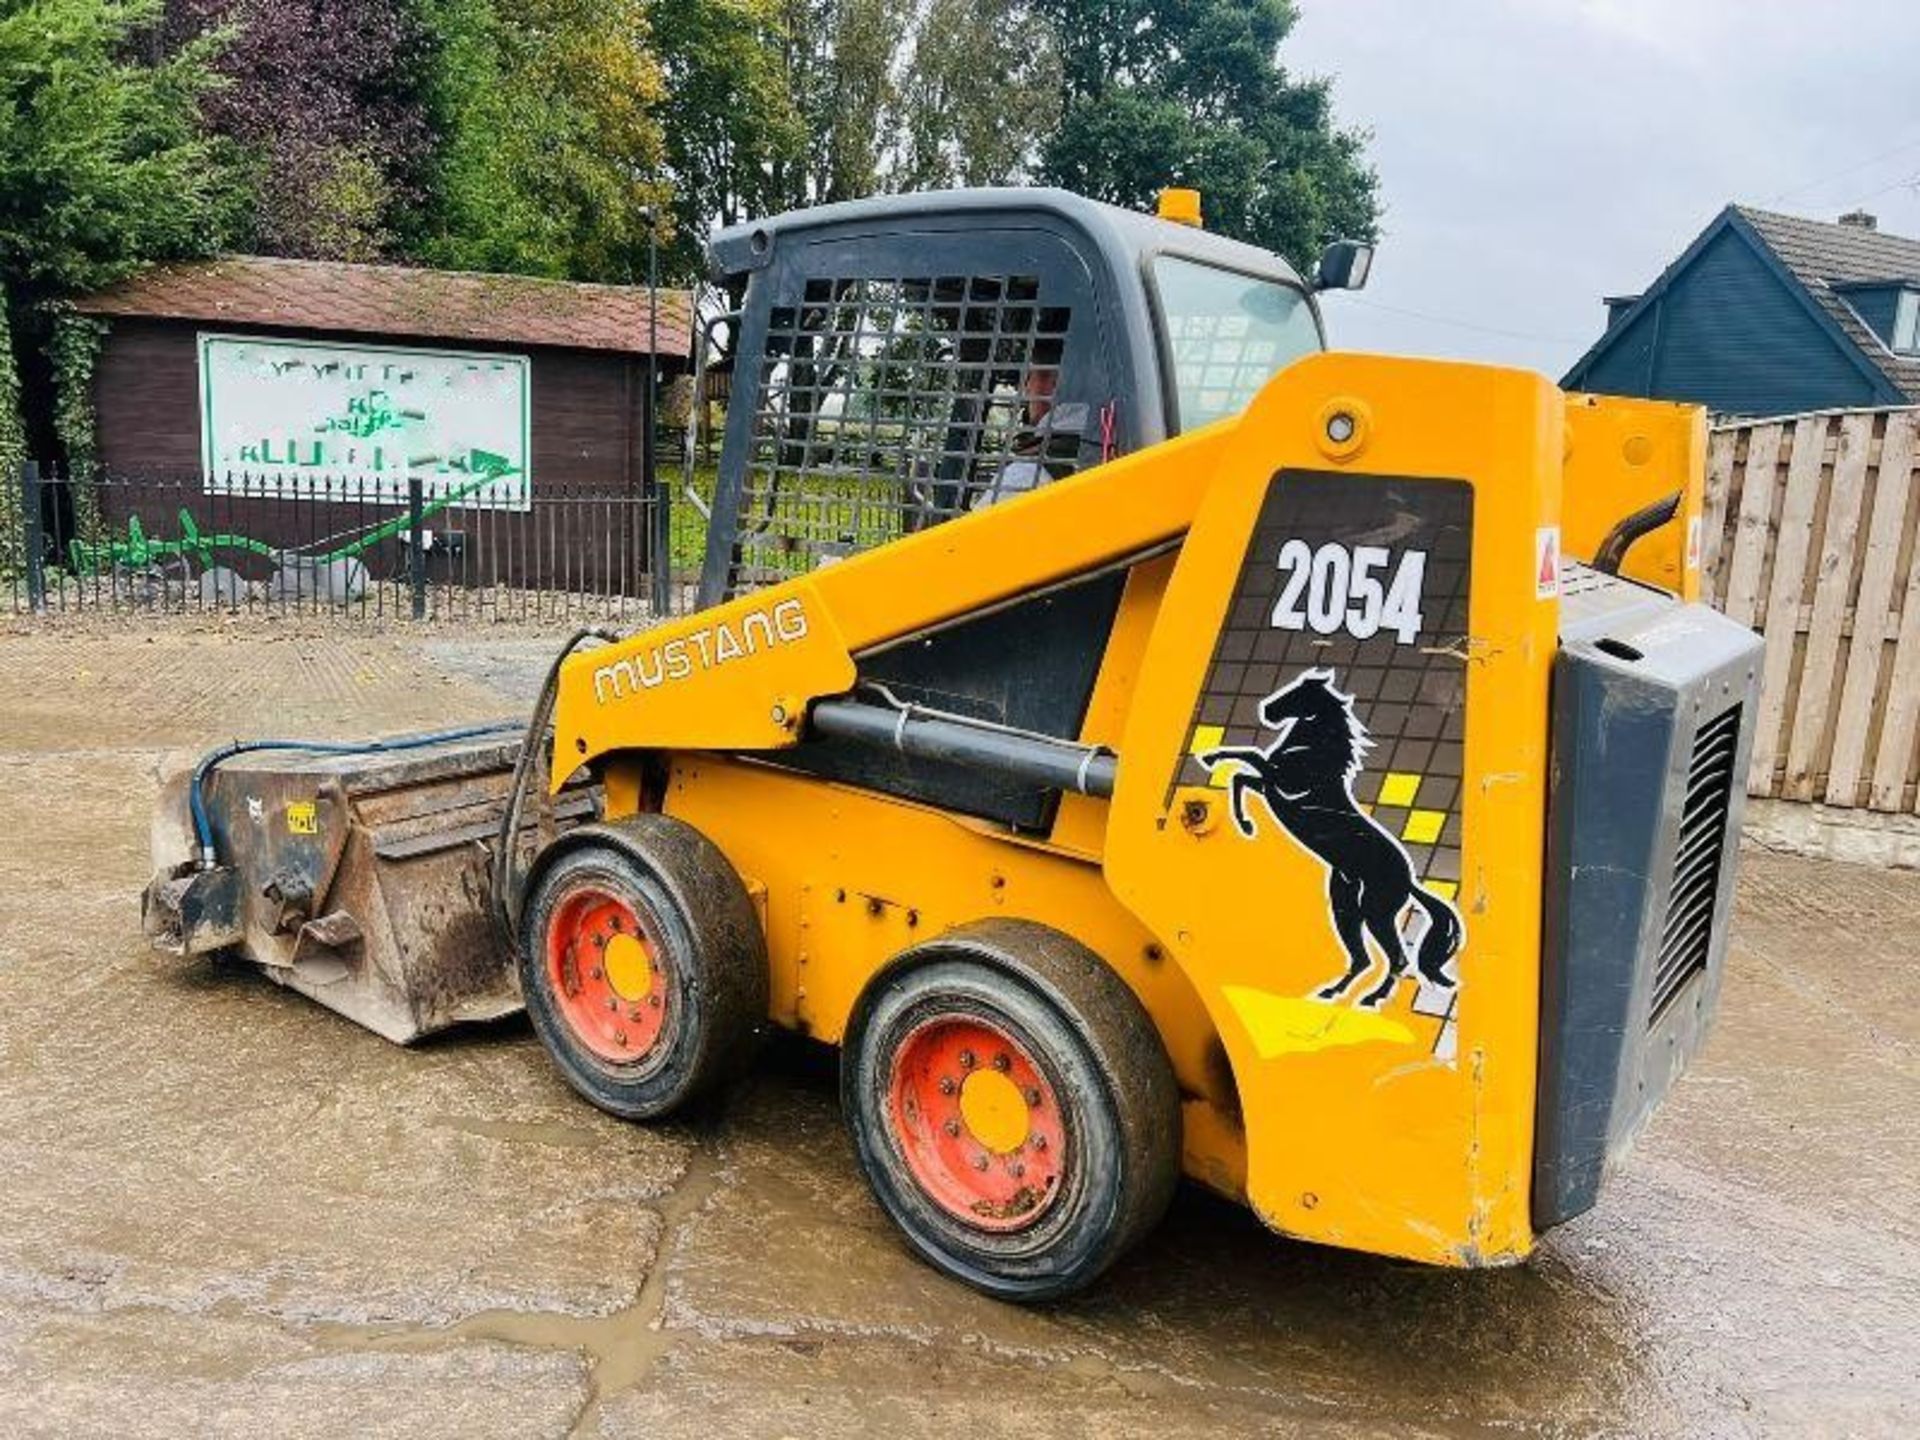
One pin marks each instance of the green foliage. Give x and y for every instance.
(981, 89)
(325, 104)
(1191, 92)
(74, 349)
(13, 449)
(897, 95)
(350, 200)
(103, 166)
(13, 438)
(731, 124)
(846, 90)
(549, 147)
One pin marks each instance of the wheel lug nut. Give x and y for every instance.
(1033, 1095)
(619, 1037)
(966, 1059)
(1016, 1169)
(952, 1127)
(1000, 1062)
(654, 1001)
(1039, 1142)
(612, 1004)
(979, 1162)
(947, 1087)
(597, 973)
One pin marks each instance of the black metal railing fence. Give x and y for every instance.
(330, 546)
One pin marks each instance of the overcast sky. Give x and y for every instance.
(1535, 155)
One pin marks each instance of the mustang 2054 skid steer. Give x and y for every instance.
(1146, 745)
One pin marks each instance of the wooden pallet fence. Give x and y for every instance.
(1810, 538)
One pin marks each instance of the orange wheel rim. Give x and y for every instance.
(609, 978)
(977, 1123)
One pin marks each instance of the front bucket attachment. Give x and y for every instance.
(363, 881)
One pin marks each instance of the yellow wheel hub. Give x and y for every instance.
(628, 970)
(995, 1111)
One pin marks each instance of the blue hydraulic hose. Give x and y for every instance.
(196, 798)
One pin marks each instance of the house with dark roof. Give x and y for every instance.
(1767, 314)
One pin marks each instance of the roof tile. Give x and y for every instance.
(395, 300)
(1822, 254)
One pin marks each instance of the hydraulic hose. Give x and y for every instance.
(1644, 521)
(505, 879)
(197, 801)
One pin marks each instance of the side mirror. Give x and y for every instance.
(1343, 266)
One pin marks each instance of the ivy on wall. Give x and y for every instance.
(13, 449)
(74, 349)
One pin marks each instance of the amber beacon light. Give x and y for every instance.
(1180, 206)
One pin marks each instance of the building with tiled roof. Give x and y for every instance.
(247, 371)
(1768, 314)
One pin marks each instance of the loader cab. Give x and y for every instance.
(904, 360)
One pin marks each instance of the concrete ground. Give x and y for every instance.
(225, 1211)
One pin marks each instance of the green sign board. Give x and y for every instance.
(356, 422)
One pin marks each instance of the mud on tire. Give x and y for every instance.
(643, 965)
(1012, 1107)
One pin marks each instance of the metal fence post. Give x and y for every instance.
(662, 551)
(416, 552)
(32, 535)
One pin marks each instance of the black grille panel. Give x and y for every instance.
(1686, 936)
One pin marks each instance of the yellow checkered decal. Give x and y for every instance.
(1411, 697)
(1398, 789)
(1209, 737)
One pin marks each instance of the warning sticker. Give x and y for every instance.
(302, 818)
(1546, 562)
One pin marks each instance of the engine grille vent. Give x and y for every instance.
(1686, 937)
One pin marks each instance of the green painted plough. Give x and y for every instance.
(136, 553)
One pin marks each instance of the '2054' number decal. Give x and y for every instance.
(1359, 589)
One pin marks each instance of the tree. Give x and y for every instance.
(979, 92)
(324, 99)
(1171, 92)
(551, 157)
(103, 167)
(731, 125)
(899, 95)
(839, 57)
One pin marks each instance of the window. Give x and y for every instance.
(1906, 323)
(1227, 334)
(1889, 308)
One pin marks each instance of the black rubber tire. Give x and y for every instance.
(682, 886)
(1097, 1048)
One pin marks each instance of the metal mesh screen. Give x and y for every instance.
(887, 405)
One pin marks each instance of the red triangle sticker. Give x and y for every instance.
(1546, 579)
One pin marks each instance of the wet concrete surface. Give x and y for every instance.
(225, 1211)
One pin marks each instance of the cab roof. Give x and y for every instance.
(1124, 235)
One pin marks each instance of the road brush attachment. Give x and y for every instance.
(362, 874)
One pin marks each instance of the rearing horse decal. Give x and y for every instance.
(1305, 777)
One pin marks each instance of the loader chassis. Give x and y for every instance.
(1278, 800)
(1405, 1125)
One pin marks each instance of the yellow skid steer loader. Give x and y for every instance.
(1144, 743)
